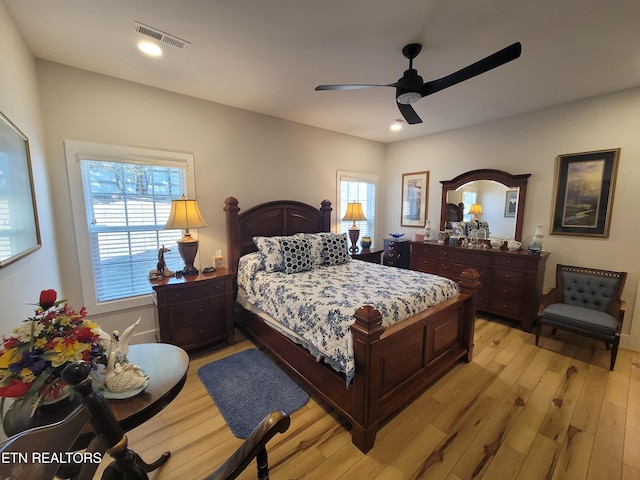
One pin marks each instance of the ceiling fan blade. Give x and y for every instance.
(409, 113)
(481, 66)
(353, 86)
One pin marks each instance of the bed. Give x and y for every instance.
(392, 365)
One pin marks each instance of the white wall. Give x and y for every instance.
(252, 157)
(22, 281)
(529, 144)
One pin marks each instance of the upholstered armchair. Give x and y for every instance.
(585, 301)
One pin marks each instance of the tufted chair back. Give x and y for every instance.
(584, 287)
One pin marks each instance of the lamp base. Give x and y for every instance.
(188, 251)
(354, 233)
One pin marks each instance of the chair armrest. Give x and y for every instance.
(275, 422)
(549, 296)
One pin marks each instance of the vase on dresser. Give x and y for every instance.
(427, 231)
(536, 242)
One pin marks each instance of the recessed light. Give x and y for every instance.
(397, 126)
(150, 48)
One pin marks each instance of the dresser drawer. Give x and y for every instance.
(426, 250)
(508, 292)
(190, 292)
(188, 313)
(508, 308)
(468, 257)
(425, 264)
(201, 331)
(506, 277)
(510, 261)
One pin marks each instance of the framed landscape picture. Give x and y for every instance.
(511, 202)
(19, 232)
(415, 191)
(583, 197)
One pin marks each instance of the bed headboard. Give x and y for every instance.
(281, 217)
(453, 212)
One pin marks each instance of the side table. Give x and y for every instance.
(195, 310)
(371, 256)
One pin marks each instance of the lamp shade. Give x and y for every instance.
(354, 212)
(476, 209)
(185, 213)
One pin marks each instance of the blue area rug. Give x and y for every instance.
(247, 386)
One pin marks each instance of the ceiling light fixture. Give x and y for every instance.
(397, 125)
(149, 48)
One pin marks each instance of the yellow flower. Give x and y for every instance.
(65, 352)
(27, 375)
(10, 356)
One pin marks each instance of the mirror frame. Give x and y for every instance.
(506, 179)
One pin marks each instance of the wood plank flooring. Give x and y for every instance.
(516, 412)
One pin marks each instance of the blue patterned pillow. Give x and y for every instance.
(314, 240)
(296, 255)
(336, 250)
(269, 248)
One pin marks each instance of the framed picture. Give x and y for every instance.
(511, 202)
(583, 197)
(415, 191)
(19, 230)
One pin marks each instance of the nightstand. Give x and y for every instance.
(397, 253)
(371, 256)
(195, 310)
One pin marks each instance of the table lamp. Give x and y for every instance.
(354, 214)
(475, 210)
(186, 214)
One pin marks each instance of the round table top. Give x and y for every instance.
(165, 364)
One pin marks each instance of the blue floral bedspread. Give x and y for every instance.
(318, 305)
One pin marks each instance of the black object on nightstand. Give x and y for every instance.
(367, 255)
(397, 253)
(195, 310)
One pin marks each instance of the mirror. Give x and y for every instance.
(501, 195)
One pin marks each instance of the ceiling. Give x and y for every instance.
(268, 56)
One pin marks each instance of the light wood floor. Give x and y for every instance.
(516, 412)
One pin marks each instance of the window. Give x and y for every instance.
(469, 196)
(119, 218)
(358, 187)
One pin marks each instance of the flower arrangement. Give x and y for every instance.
(32, 359)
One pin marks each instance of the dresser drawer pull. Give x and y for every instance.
(507, 275)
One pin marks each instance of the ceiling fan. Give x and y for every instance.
(411, 88)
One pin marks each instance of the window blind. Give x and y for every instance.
(127, 205)
(353, 189)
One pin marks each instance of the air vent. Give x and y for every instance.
(161, 36)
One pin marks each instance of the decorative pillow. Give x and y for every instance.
(314, 241)
(336, 250)
(248, 266)
(269, 248)
(459, 229)
(296, 255)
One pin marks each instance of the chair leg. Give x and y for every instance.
(614, 353)
(538, 330)
(553, 331)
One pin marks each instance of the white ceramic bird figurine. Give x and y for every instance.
(122, 377)
(120, 343)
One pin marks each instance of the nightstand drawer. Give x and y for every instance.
(196, 292)
(190, 312)
(201, 331)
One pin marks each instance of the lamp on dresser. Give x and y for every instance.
(185, 213)
(475, 210)
(354, 214)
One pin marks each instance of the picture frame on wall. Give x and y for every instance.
(415, 192)
(511, 202)
(19, 229)
(583, 193)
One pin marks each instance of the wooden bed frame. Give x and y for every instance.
(393, 365)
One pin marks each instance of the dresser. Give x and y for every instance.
(195, 310)
(511, 281)
(397, 253)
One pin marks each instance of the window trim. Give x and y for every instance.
(356, 177)
(117, 153)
